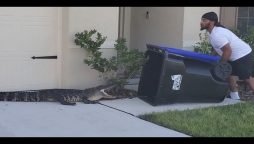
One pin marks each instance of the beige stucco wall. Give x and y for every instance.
(164, 26)
(75, 73)
(191, 25)
(228, 17)
(171, 26)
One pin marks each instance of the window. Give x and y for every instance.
(245, 18)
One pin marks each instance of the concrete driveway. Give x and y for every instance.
(51, 119)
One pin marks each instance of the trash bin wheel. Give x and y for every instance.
(222, 71)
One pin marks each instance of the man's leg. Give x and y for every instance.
(233, 84)
(233, 87)
(250, 82)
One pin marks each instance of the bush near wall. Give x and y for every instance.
(116, 70)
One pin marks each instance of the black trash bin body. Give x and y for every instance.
(172, 75)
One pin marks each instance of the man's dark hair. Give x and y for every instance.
(212, 16)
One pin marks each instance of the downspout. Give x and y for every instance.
(121, 22)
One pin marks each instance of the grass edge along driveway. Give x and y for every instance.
(235, 120)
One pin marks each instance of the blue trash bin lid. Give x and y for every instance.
(188, 54)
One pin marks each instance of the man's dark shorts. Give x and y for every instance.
(242, 67)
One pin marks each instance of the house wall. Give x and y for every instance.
(164, 26)
(171, 26)
(75, 73)
(228, 16)
(191, 24)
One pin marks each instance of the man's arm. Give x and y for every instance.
(226, 49)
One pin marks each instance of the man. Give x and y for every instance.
(231, 49)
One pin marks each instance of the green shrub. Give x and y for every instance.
(203, 46)
(117, 69)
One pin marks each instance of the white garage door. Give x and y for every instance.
(24, 33)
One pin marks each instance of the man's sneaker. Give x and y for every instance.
(235, 97)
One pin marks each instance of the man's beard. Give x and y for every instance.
(202, 28)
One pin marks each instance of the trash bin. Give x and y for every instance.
(173, 75)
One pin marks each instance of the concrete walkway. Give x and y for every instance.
(45, 119)
(137, 106)
(50, 119)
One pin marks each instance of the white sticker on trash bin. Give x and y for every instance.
(177, 81)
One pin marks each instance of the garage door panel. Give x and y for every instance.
(7, 77)
(27, 72)
(38, 38)
(28, 11)
(6, 11)
(8, 36)
(35, 11)
(27, 32)
(42, 76)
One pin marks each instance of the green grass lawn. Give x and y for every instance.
(224, 121)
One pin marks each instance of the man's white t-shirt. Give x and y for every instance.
(219, 37)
